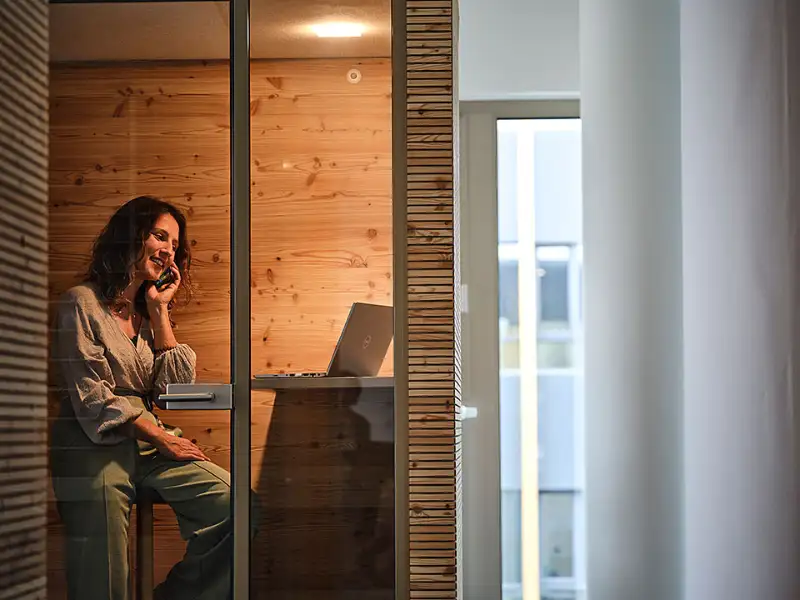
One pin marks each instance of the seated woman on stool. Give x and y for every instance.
(114, 350)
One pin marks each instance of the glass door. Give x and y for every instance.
(322, 449)
(524, 454)
(149, 175)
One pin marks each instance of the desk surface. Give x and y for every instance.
(266, 382)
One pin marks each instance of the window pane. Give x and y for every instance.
(509, 291)
(557, 444)
(509, 349)
(512, 537)
(554, 294)
(539, 250)
(554, 355)
(507, 186)
(508, 300)
(556, 524)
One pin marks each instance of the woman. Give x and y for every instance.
(115, 350)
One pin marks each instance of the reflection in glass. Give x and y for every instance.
(139, 187)
(141, 106)
(321, 205)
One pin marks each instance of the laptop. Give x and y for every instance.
(362, 344)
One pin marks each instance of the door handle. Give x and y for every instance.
(469, 412)
(197, 396)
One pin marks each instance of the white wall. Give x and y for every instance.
(518, 49)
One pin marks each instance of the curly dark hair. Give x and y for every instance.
(121, 244)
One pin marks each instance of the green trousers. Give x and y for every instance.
(95, 487)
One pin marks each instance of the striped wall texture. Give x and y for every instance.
(23, 297)
(434, 383)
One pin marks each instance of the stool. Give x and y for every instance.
(144, 544)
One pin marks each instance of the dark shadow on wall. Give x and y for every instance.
(326, 497)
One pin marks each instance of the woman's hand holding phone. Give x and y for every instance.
(159, 296)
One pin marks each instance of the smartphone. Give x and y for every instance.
(165, 279)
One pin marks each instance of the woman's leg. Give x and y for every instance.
(94, 488)
(200, 495)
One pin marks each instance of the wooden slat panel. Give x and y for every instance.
(23, 287)
(433, 304)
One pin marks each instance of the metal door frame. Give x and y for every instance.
(240, 292)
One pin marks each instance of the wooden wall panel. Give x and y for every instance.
(23, 298)
(321, 191)
(433, 300)
(321, 208)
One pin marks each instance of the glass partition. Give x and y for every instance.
(146, 410)
(322, 458)
(139, 117)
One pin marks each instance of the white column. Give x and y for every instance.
(740, 224)
(630, 106)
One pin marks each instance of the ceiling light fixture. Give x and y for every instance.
(338, 30)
